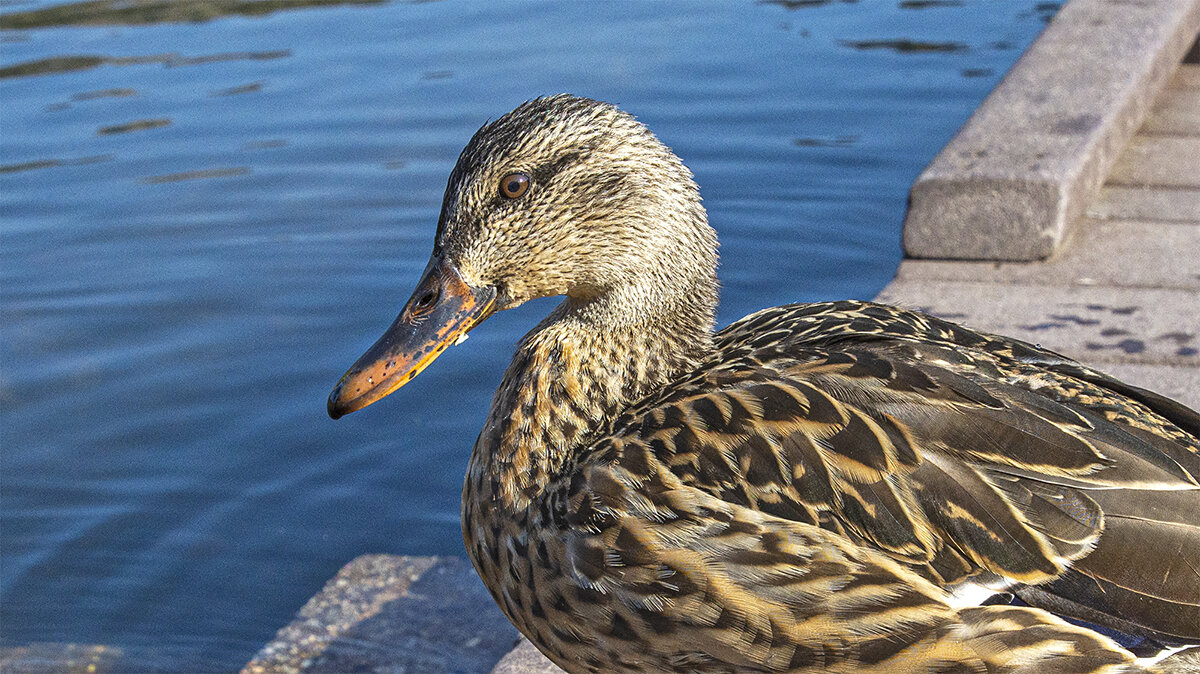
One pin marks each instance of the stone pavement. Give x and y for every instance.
(1124, 294)
(393, 614)
(1014, 181)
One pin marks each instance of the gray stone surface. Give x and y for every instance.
(1151, 255)
(1177, 111)
(1166, 161)
(1156, 178)
(1187, 76)
(1123, 293)
(1093, 324)
(1143, 203)
(1024, 167)
(391, 614)
(525, 659)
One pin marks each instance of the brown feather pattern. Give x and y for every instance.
(800, 490)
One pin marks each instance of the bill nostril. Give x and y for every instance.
(425, 302)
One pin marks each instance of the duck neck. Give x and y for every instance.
(577, 370)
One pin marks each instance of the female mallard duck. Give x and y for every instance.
(804, 490)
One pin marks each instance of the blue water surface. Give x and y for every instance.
(205, 223)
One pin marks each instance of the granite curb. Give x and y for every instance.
(1020, 172)
(391, 614)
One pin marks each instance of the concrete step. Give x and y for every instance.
(1177, 110)
(1147, 203)
(388, 613)
(1160, 161)
(1113, 253)
(1015, 179)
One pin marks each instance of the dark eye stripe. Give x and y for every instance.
(514, 185)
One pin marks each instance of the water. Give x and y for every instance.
(205, 223)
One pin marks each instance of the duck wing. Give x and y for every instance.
(963, 456)
(669, 577)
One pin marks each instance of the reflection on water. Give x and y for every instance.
(196, 175)
(977, 72)
(139, 125)
(48, 163)
(926, 4)
(103, 93)
(191, 256)
(62, 64)
(137, 12)
(837, 141)
(907, 46)
(799, 4)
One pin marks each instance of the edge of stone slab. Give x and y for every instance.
(393, 613)
(525, 659)
(1020, 172)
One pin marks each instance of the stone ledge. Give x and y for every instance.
(1094, 325)
(1157, 161)
(526, 659)
(1026, 164)
(1141, 203)
(1177, 110)
(1152, 255)
(387, 613)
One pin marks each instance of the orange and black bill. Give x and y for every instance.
(441, 310)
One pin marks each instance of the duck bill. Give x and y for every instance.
(440, 312)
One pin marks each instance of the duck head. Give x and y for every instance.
(562, 196)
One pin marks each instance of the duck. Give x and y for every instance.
(817, 487)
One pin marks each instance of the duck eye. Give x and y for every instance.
(514, 185)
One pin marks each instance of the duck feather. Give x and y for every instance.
(805, 490)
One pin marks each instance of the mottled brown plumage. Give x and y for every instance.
(804, 490)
